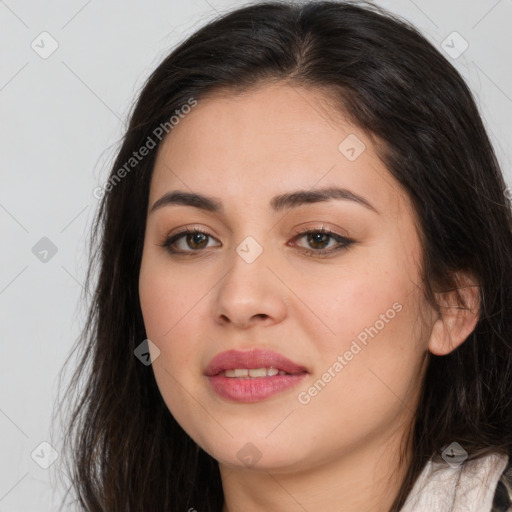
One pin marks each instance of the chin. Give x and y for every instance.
(256, 454)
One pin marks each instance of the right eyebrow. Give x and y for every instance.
(189, 199)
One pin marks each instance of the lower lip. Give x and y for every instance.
(247, 389)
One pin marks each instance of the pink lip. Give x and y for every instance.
(248, 389)
(255, 358)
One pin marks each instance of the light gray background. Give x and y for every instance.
(61, 120)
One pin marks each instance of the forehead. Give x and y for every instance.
(266, 141)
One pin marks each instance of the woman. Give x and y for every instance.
(304, 298)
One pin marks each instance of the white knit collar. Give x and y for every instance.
(469, 487)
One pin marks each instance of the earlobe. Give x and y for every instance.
(456, 321)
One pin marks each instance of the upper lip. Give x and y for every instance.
(255, 358)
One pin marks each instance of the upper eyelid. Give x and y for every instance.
(188, 231)
(337, 237)
(327, 231)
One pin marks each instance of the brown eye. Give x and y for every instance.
(187, 241)
(318, 241)
(196, 240)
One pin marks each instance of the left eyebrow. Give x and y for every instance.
(278, 203)
(295, 199)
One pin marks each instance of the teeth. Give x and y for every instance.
(253, 372)
(260, 372)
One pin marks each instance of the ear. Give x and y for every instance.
(456, 321)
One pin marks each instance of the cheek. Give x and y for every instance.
(357, 297)
(171, 313)
(371, 311)
(369, 373)
(166, 295)
(173, 307)
(372, 330)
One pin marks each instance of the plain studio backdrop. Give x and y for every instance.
(69, 72)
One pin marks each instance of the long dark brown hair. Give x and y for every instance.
(126, 452)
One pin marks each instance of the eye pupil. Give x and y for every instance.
(196, 238)
(318, 238)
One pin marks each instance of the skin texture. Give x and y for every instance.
(338, 451)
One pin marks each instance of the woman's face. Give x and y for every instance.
(348, 322)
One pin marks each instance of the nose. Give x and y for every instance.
(250, 294)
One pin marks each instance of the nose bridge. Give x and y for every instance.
(249, 290)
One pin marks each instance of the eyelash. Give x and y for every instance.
(346, 242)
